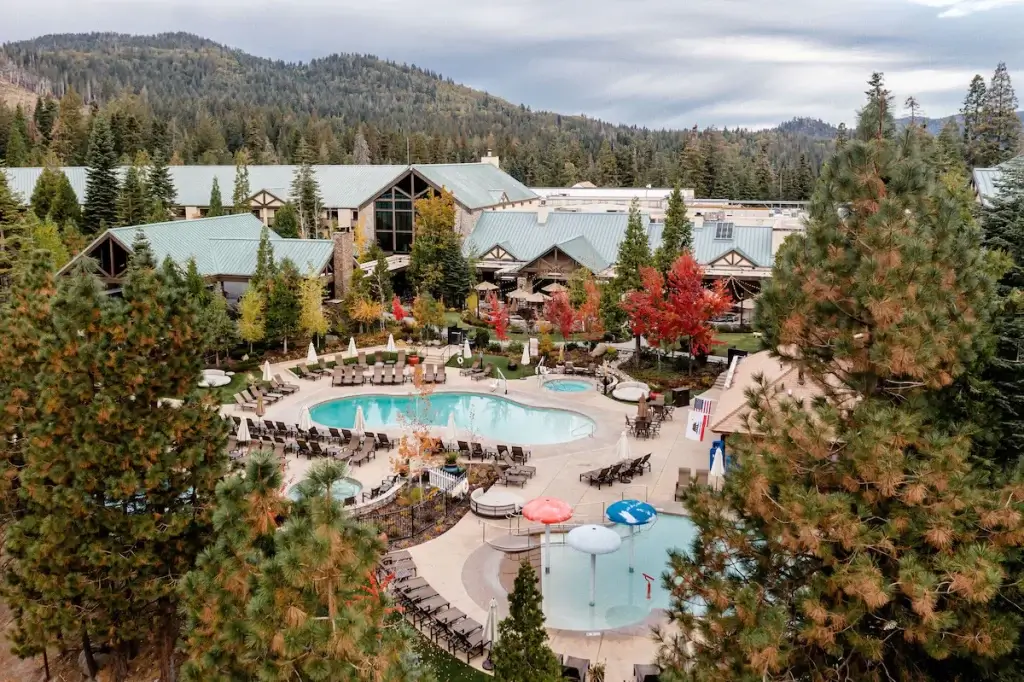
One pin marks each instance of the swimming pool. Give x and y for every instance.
(486, 416)
(567, 385)
(342, 490)
(621, 595)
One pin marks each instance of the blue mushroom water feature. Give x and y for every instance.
(632, 513)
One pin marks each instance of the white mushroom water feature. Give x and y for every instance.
(593, 540)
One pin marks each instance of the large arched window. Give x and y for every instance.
(393, 214)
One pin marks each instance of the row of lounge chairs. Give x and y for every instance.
(686, 479)
(279, 388)
(623, 472)
(434, 375)
(477, 451)
(431, 612)
(589, 370)
(475, 372)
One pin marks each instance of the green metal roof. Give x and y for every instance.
(475, 185)
(593, 239)
(225, 245)
(986, 180)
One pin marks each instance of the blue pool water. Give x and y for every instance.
(567, 386)
(342, 490)
(485, 416)
(621, 595)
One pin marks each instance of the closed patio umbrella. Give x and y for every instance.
(305, 420)
(525, 361)
(352, 350)
(390, 348)
(622, 448)
(359, 426)
(311, 355)
(260, 407)
(243, 432)
(267, 371)
(717, 467)
(491, 632)
(467, 352)
(452, 432)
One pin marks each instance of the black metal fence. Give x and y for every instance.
(409, 522)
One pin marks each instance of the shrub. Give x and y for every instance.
(611, 353)
(481, 338)
(494, 347)
(571, 345)
(545, 346)
(515, 348)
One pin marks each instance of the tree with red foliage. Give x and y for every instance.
(397, 310)
(558, 311)
(589, 312)
(650, 314)
(693, 305)
(498, 313)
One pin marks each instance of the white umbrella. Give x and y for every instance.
(491, 632)
(525, 362)
(352, 351)
(243, 432)
(453, 430)
(622, 448)
(311, 355)
(717, 465)
(359, 426)
(266, 371)
(390, 348)
(593, 540)
(305, 420)
(467, 352)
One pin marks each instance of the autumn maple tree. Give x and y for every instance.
(559, 312)
(498, 316)
(589, 311)
(397, 310)
(648, 311)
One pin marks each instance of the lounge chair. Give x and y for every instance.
(303, 373)
(338, 378)
(247, 405)
(389, 375)
(440, 376)
(361, 363)
(486, 374)
(518, 469)
(575, 668)
(282, 387)
(358, 378)
(520, 455)
(508, 477)
(464, 449)
(428, 374)
(475, 367)
(477, 451)
(365, 452)
(702, 476)
(269, 393)
(640, 465)
(249, 397)
(646, 673)
(400, 362)
(322, 364)
(283, 429)
(378, 376)
(595, 474)
(379, 356)
(384, 441)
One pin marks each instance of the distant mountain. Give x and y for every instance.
(811, 127)
(935, 125)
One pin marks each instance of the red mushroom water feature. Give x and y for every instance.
(549, 511)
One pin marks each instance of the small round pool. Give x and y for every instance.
(567, 385)
(621, 595)
(486, 416)
(342, 490)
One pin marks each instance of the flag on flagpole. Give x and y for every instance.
(696, 423)
(705, 405)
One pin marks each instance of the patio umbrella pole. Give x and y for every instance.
(593, 578)
(547, 548)
(632, 533)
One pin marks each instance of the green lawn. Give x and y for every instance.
(499, 362)
(225, 394)
(747, 342)
(453, 319)
(444, 666)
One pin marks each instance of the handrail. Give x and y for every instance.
(591, 427)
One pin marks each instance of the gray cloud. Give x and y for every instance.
(658, 63)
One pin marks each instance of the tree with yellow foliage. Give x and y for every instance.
(312, 320)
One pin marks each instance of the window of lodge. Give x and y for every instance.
(393, 214)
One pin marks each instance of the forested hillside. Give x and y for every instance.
(200, 102)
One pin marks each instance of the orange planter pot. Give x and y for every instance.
(414, 360)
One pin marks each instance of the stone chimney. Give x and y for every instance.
(491, 159)
(344, 262)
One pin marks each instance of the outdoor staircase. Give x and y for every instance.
(438, 356)
(720, 381)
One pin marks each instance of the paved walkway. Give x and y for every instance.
(445, 561)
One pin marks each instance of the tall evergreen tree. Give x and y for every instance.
(70, 138)
(99, 210)
(12, 230)
(763, 175)
(634, 251)
(521, 653)
(876, 118)
(17, 151)
(216, 203)
(133, 205)
(691, 166)
(855, 542)
(160, 185)
(380, 279)
(265, 270)
(286, 221)
(607, 167)
(53, 197)
(283, 304)
(842, 136)
(949, 149)
(240, 195)
(220, 333)
(305, 193)
(804, 181)
(105, 570)
(999, 125)
(676, 236)
(971, 112)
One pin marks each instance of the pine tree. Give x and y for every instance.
(107, 570)
(999, 126)
(763, 176)
(380, 278)
(360, 150)
(286, 221)
(607, 167)
(70, 138)
(613, 317)
(283, 304)
(161, 186)
(265, 270)
(521, 653)
(17, 152)
(876, 118)
(691, 166)
(842, 136)
(133, 207)
(12, 230)
(949, 149)
(240, 195)
(677, 235)
(220, 334)
(804, 181)
(855, 542)
(54, 198)
(195, 285)
(634, 252)
(99, 211)
(305, 193)
(974, 104)
(252, 322)
(216, 204)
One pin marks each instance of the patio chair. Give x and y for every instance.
(507, 477)
(358, 378)
(440, 376)
(702, 476)
(361, 362)
(575, 668)
(502, 450)
(428, 374)
(249, 397)
(314, 446)
(486, 374)
(281, 387)
(338, 378)
(379, 355)
(269, 426)
(646, 673)
(246, 405)
(464, 449)
(336, 435)
(302, 449)
(303, 373)
(268, 398)
(400, 362)
(389, 375)
(477, 451)
(520, 469)
(378, 376)
(349, 501)
(569, 368)
(595, 475)
(472, 642)
(365, 452)
(384, 441)
(475, 367)
(346, 435)
(640, 465)
(520, 455)
(283, 429)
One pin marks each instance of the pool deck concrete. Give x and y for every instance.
(459, 564)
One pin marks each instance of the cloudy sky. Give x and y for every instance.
(660, 63)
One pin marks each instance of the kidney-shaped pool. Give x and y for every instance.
(486, 416)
